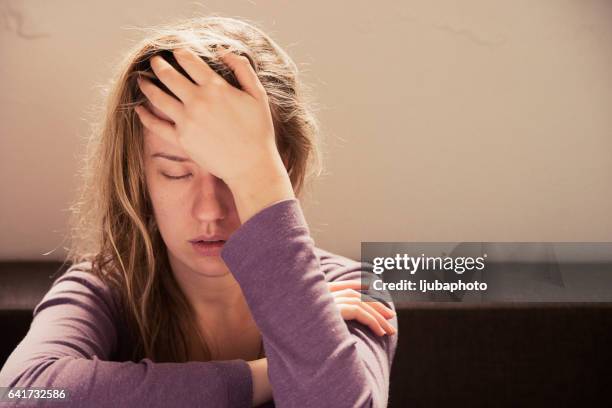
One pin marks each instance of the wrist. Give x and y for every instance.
(262, 390)
(260, 189)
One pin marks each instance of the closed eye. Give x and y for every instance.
(168, 176)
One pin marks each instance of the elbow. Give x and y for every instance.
(36, 374)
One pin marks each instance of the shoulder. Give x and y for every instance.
(80, 286)
(338, 268)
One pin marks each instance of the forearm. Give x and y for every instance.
(94, 382)
(313, 359)
(262, 390)
(71, 345)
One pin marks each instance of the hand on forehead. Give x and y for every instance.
(157, 112)
(157, 143)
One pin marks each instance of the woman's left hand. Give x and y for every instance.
(372, 314)
(227, 131)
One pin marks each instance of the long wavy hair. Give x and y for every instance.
(112, 223)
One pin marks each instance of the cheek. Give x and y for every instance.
(167, 206)
(169, 217)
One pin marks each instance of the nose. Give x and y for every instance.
(209, 202)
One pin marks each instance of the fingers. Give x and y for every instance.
(176, 82)
(388, 327)
(354, 312)
(197, 68)
(349, 289)
(353, 309)
(245, 74)
(158, 126)
(162, 101)
(374, 314)
(349, 284)
(370, 311)
(380, 308)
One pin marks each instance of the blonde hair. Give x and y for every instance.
(112, 223)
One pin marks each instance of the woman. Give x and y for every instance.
(195, 281)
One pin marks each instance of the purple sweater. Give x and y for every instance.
(315, 358)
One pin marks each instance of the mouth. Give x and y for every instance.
(208, 248)
(215, 238)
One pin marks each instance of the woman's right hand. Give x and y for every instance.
(372, 314)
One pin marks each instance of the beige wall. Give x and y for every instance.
(444, 120)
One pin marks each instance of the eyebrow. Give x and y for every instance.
(171, 157)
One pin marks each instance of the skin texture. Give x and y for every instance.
(230, 170)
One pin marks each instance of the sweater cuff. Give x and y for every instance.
(238, 381)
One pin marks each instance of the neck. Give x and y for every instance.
(221, 311)
(214, 296)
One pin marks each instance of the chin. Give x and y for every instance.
(211, 265)
(211, 273)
